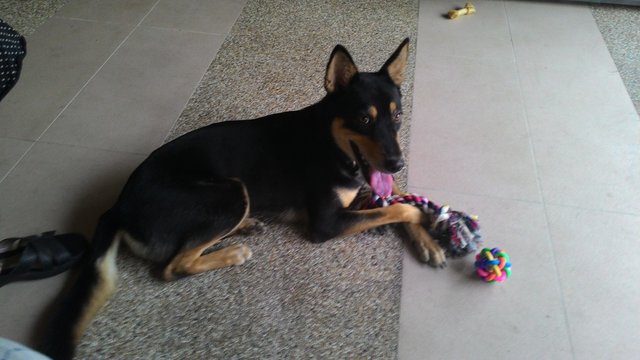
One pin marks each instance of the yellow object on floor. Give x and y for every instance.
(468, 9)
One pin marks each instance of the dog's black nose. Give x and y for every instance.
(394, 165)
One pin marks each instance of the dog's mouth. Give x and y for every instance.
(380, 182)
(364, 164)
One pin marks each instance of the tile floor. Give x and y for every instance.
(524, 121)
(527, 123)
(110, 87)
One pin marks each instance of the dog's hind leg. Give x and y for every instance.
(193, 262)
(232, 218)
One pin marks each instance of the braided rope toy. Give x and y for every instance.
(456, 232)
(493, 265)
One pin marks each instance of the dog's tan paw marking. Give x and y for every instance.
(238, 254)
(435, 257)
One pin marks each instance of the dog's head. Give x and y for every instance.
(369, 111)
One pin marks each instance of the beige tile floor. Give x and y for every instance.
(519, 116)
(110, 83)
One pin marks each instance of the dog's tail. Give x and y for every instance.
(95, 282)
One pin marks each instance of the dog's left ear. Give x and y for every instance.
(340, 69)
(395, 66)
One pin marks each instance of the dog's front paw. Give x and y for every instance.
(434, 257)
(429, 251)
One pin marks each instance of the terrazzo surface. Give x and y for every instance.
(25, 16)
(620, 28)
(293, 299)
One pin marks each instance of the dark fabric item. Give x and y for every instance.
(13, 49)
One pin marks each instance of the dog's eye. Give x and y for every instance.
(397, 116)
(365, 120)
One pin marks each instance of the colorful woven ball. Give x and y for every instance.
(493, 265)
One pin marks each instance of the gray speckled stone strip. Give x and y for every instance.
(25, 16)
(620, 28)
(293, 299)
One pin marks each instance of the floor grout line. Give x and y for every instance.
(138, 25)
(98, 70)
(79, 91)
(90, 20)
(185, 30)
(17, 162)
(16, 138)
(94, 148)
(539, 184)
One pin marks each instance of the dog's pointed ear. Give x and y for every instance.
(397, 63)
(340, 69)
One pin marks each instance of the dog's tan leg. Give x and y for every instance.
(428, 250)
(192, 261)
(398, 213)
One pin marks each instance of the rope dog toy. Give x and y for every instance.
(456, 232)
(468, 9)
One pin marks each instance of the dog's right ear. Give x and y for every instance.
(340, 69)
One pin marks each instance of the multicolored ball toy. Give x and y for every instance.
(493, 265)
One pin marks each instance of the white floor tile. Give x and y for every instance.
(469, 129)
(559, 35)
(11, 150)
(600, 277)
(62, 56)
(573, 292)
(55, 187)
(63, 188)
(586, 134)
(452, 314)
(22, 307)
(137, 96)
(215, 17)
(116, 11)
(481, 36)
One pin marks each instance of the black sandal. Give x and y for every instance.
(38, 257)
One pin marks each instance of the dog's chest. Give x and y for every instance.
(346, 196)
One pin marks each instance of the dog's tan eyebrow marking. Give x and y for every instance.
(373, 112)
(343, 138)
(393, 107)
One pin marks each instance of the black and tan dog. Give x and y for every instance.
(206, 185)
